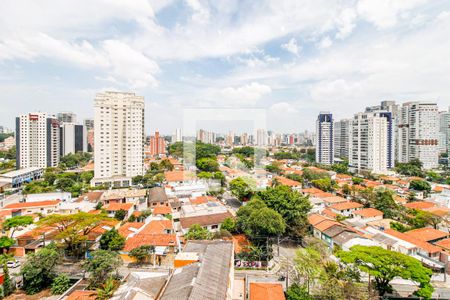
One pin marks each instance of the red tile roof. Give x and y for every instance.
(368, 212)
(125, 229)
(419, 205)
(445, 243)
(418, 243)
(118, 206)
(346, 205)
(162, 210)
(32, 204)
(266, 291)
(288, 182)
(150, 240)
(175, 176)
(314, 219)
(82, 295)
(157, 227)
(427, 234)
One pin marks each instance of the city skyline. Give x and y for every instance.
(279, 57)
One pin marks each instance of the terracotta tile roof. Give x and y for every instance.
(328, 213)
(82, 295)
(157, 227)
(266, 291)
(125, 229)
(371, 183)
(202, 199)
(150, 240)
(325, 224)
(288, 182)
(312, 191)
(438, 211)
(419, 205)
(38, 232)
(118, 206)
(314, 219)
(399, 199)
(343, 176)
(162, 210)
(175, 176)
(5, 213)
(368, 212)
(93, 196)
(346, 205)
(389, 178)
(101, 229)
(427, 234)
(335, 200)
(32, 204)
(240, 243)
(205, 220)
(418, 243)
(445, 243)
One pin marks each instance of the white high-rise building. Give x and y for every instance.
(370, 142)
(324, 142)
(418, 133)
(37, 141)
(342, 138)
(444, 131)
(261, 137)
(119, 138)
(178, 136)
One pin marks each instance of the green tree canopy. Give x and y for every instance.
(112, 240)
(17, 221)
(243, 187)
(197, 232)
(385, 265)
(291, 205)
(38, 270)
(101, 265)
(141, 253)
(420, 185)
(208, 164)
(60, 284)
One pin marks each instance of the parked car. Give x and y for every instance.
(13, 264)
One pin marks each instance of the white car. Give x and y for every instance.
(13, 264)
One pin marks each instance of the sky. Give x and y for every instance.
(290, 58)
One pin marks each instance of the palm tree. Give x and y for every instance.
(107, 290)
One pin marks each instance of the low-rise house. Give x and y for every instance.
(37, 207)
(345, 209)
(112, 208)
(135, 196)
(157, 196)
(209, 215)
(18, 177)
(427, 234)
(295, 185)
(266, 291)
(210, 277)
(179, 177)
(62, 196)
(419, 205)
(161, 210)
(368, 215)
(92, 196)
(130, 228)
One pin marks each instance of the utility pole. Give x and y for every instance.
(278, 246)
(43, 239)
(267, 253)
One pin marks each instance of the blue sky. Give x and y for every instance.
(292, 58)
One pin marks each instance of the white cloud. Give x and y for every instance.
(324, 43)
(283, 108)
(245, 95)
(292, 47)
(346, 23)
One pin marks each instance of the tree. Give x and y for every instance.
(17, 221)
(385, 265)
(309, 174)
(357, 180)
(265, 222)
(324, 184)
(242, 187)
(100, 266)
(6, 243)
(308, 265)
(412, 168)
(384, 201)
(274, 167)
(298, 292)
(207, 164)
(229, 225)
(112, 240)
(87, 176)
(420, 185)
(197, 232)
(245, 211)
(8, 287)
(38, 270)
(106, 291)
(74, 229)
(141, 253)
(120, 214)
(291, 205)
(60, 284)
(246, 151)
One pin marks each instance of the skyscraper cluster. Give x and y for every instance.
(384, 134)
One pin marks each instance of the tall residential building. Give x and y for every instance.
(261, 138)
(444, 131)
(157, 145)
(37, 141)
(371, 142)
(207, 137)
(244, 139)
(178, 136)
(342, 138)
(324, 134)
(418, 133)
(119, 137)
(88, 124)
(66, 117)
(73, 138)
